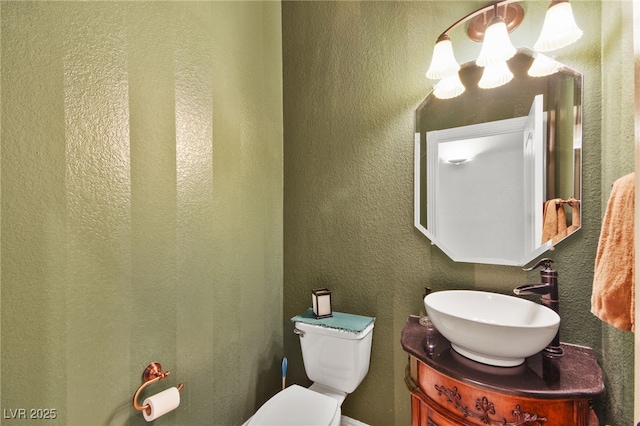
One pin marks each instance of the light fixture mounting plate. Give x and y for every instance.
(512, 13)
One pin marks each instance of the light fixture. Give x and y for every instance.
(443, 62)
(321, 302)
(543, 66)
(496, 46)
(449, 87)
(559, 28)
(492, 24)
(458, 161)
(495, 75)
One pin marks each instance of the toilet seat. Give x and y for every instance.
(297, 406)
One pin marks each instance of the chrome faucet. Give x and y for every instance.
(547, 288)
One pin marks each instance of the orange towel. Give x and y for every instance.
(555, 221)
(613, 296)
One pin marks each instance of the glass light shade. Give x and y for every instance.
(543, 66)
(495, 75)
(496, 46)
(449, 87)
(559, 28)
(443, 62)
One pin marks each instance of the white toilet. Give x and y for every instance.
(336, 360)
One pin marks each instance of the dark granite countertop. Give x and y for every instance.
(574, 375)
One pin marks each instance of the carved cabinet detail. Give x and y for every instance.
(485, 410)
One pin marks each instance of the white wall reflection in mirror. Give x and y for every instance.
(471, 222)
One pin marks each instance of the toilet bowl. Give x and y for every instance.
(298, 406)
(336, 352)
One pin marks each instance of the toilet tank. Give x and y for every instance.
(335, 358)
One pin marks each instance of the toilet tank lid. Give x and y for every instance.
(296, 406)
(339, 320)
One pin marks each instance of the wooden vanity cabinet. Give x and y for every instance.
(437, 399)
(449, 390)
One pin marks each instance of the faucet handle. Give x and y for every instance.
(546, 262)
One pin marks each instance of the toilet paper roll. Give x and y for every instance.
(161, 403)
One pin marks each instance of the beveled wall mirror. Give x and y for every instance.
(498, 171)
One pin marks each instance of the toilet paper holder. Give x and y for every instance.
(152, 374)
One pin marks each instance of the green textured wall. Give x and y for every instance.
(353, 75)
(617, 135)
(141, 196)
(141, 207)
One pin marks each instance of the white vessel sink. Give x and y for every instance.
(492, 328)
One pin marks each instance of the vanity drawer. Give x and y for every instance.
(453, 402)
(434, 418)
(427, 414)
